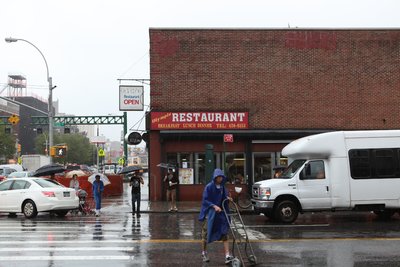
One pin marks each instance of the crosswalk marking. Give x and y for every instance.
(63, 258)
(50, 234)
(62, 249)
(133, 241)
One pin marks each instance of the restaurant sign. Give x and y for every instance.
(199, 120)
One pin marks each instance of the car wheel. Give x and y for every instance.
(61, 213)
(286, 211)
(29, 209)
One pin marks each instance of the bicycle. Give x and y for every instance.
(243, 200)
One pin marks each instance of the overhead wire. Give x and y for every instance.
(134, 64)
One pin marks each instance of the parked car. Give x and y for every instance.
(32, 195)
(4, 172)
(20, 174)
(16, 167)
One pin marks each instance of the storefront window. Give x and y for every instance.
(262, 166)
(193, 164)
(200, 168)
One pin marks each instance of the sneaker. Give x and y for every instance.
(228, 259)
(175, 209)
(171, 209)
(205, 257)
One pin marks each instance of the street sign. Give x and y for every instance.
(133, 138)
(101, 152)
(59, 124)
(13, 119)
(228, 138)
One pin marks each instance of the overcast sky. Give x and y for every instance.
(89, 44)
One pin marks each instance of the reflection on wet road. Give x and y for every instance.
(173, 239)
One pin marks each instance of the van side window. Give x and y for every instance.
(374, 163)
(360, 165)
(313, 170)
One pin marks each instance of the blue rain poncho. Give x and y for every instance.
(217, 223)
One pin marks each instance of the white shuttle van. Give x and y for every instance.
(346, 170)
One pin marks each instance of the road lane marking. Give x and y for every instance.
(62, 249)
(63, 258)
(50, 234)
(137, 241)
(166, 241)
(22, 228)
(287, 225)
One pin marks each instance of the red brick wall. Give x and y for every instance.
(286, 79)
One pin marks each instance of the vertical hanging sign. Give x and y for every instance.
(131, 98)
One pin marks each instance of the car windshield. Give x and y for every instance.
(18, 175)
(46, 183)
(290, 171)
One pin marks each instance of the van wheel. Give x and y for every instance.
(286, 211)
(29, 209)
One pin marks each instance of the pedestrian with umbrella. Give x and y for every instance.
(134, 183)
(172, 182)
(49, 169)
(97, 189)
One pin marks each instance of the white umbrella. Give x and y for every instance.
(77, 172)
(103, 178)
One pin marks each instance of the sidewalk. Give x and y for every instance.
(123, 204)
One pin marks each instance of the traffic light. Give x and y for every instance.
(58, 151)
(67, 130)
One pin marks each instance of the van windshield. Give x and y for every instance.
(290, 171)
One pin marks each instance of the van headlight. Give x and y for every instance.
(265, 192)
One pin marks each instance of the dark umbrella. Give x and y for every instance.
(166, 166)
(49, 169)
(129, 169)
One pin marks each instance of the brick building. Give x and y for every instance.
(266, 87)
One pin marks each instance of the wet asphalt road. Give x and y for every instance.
(173, 239)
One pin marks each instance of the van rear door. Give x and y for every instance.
(313, 186)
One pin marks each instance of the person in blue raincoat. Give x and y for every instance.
(97, 189)
(215, 224)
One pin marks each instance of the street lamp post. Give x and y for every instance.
(49, 79)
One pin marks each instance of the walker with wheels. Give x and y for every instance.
(240, 241)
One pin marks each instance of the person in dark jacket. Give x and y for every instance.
(172, 183)
(215, 223)
(135, 182)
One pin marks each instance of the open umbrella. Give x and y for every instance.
(49, 169)
(103, 178)
(77, 172)
(166, 166)
(129, 169)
